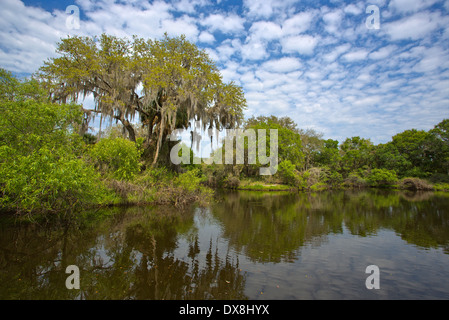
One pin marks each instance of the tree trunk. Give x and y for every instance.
(159, 140)
(130, 129)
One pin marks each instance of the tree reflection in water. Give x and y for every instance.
(163, 253)
(126, 256)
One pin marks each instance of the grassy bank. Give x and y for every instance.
(413, 184)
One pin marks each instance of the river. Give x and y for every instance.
(246, 245)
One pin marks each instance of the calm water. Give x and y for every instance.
(249, 245)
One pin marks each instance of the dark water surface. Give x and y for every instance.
(248, 245)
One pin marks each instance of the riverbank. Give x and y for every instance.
(413, 184)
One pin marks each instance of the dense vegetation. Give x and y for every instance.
(413, 159)
(50, 163)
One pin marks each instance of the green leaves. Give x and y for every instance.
(166, 83)
(41, 168)
(382, 177)
(118, 157)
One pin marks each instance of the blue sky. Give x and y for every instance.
(316, 62)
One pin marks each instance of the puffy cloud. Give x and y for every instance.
(206, 37)
(356, 55)
(333, 21)
(228, 24)
(265, 30)
(406, 6)
(298, 23)
(302, 44)
(383, 52)
(413, 27)
(286, 64)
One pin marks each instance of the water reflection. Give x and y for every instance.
(126, 256)
(217, 252)
(272, 227)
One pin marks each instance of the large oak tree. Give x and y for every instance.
(160, 84)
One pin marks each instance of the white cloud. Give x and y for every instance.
(302, 44)
(189, 6)
(406, 6)
(382, 53)
(254, 50)
(265, 30)
(266, 8)
(433, 59)
(297, 24)
(28, 35)
(353, 9)
(333, 21)
(286, 64)
(206, 37)
(183, 25)
(290, 59)
(228, 24)
(413, 27)
(356, 55)
(336, 52)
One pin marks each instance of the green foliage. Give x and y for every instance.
(289, 139)
(382, 177)
(357, 153)
(231, 182)
(414, 145)
(334, 179)
(47, 180)
(41, 165)
(189, 181)
(313, 179)
(180, 84)
(441, 187)
(118, 157)
(355, 180)
(288, 173)
(329, 155)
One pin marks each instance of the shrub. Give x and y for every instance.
(189, 181)
(382, 177)
(288, 173)
(334, 179)
(118, 157)
(439, 178)
(47, 181)
(415, 184)
(354, 180)
(231, 182)
(213, 175)
(441, 187)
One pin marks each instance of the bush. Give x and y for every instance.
(441, 187)
(231, 182)
(439, 178)
(288, 173)
(415, 184)
(354, 180)
(47, 181)
(213, 175)
(382, 177)
(189, 181)
(117, 157)
(313, 177)
(334, 179)
(41, 164)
